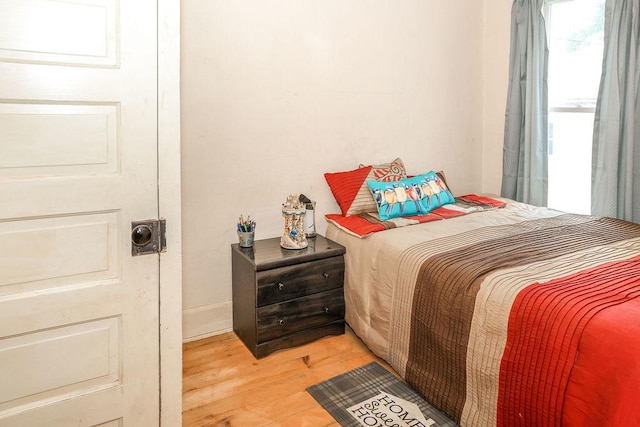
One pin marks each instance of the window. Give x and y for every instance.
(575, 34)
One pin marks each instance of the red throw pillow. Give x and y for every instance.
(346, 185)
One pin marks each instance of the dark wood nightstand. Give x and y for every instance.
(284, 298)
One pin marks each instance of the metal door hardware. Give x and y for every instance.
(148, 237)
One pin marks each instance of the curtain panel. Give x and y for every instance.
(615, 186)
(525, 155)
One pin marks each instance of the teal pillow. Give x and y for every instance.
(411, 196)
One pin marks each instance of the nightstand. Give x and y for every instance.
(284, 298)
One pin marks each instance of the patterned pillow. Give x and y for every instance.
(411, 196)
(385, 172)
(393, 171)
(350, 187)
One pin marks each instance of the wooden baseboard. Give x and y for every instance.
(206, 321)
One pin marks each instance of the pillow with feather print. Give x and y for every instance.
(418, 195)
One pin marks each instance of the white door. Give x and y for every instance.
(78, 162)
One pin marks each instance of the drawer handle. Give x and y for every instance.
(325, 275)
(280, 286)
(280, 322)
(326, 310)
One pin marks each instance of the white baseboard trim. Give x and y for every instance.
(206, 321)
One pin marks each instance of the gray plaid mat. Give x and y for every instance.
(371, 396)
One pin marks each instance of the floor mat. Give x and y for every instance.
(371, 396)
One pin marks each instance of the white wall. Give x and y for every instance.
(275, 93)
(497, 36)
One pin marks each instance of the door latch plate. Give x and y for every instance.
(148, 236)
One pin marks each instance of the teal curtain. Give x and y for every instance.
(525, 155)
(615, 186)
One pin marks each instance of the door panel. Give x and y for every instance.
(79, 249)
(58, 139)
(79, 327)
(82, 33)
(97, 340)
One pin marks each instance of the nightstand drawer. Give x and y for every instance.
(285, 283)
(277, 320)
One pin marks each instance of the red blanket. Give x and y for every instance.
(547, 327)
(533, 324)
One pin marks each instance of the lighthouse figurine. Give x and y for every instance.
(293, 212)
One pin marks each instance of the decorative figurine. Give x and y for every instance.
(294, 236)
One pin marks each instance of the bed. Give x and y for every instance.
(509, 315)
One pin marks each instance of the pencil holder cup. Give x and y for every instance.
(245, 238)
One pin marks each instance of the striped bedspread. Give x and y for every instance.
(498, 314)
(514, 317)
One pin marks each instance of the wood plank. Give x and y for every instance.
(224, 385)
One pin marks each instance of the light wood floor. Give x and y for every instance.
(224, 385)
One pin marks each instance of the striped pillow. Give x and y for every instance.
(350, 187)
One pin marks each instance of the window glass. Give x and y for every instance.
(575, 36)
